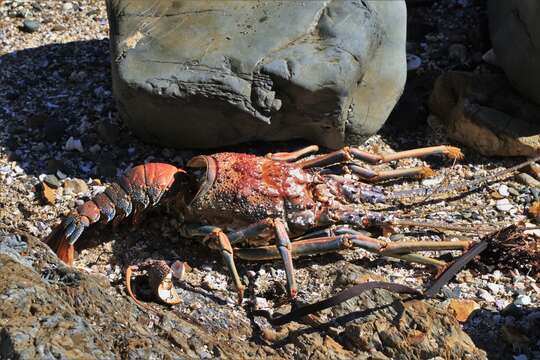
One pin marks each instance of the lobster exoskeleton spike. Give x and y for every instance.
(139, 188)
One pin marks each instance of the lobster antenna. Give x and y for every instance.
(470, 185)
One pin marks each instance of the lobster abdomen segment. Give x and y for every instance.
(139, 188)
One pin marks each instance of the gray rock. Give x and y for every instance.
(30, 26)
(194, 73)
(52, 181)
(515, 35)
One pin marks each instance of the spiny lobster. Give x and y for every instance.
(257, 208)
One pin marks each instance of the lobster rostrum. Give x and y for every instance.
(256, 208)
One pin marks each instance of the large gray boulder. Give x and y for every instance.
(515, 34)
(206, 73)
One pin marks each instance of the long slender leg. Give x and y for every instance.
(351, 153)
(341, 230)
(283, 244)
(298, 248)
(450, 151)
(335, 243)
(293, 156)
(374, 175)
(223, 244)
(330, 231)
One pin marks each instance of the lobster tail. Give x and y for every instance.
(139, 188)
(58, 242)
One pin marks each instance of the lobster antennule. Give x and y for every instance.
(139, 188)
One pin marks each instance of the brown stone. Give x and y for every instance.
(462, 308)
(485, 113)
(49, 194)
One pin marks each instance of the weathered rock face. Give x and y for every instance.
(485, 113)
(196, 73)
(51, 311)
(515, 34)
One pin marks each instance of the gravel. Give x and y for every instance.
(58, 126)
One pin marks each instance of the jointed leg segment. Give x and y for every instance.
(371, 176)
(224, 245)
(351, 153)
(284, 247)
(401, 250)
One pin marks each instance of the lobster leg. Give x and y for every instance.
(224, 245)
(351, 153)
(293, 156)
(141, 187)
(330, 231)
(284, 247)
(374, 176)
(341, 230)
(400, 250)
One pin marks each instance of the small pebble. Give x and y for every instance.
(490, 58)
(58, 27)
(49, 194)
(261, 303)
(483, 294)
(523, 300)
(536, 192)
(433, 181)
(413, 62)
(74, 144)
(503, 190)
(30, 26)
(396, 237)
(495, 288)
(75, 186)
(60, 175)
(67, 7)
(503, 205)
(52, 181)
(501, 304)
(497, 275)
